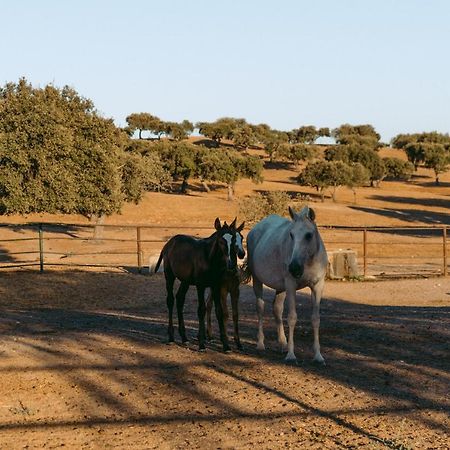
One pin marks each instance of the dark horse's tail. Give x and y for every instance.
(245, 274)
(161, 256)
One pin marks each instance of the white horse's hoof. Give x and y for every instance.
(291, 358)
(260, 346)
(284, 347)
(319, 360)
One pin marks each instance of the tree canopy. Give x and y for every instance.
(324, 175)
(357, 134)
(57, 155)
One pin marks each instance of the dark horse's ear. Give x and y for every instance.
(233, 224)
(217, 225)
(311, 215)
(240, 227)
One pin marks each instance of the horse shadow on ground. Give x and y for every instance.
(390, 352)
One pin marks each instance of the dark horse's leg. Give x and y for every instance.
(215, 292)
(181, 296)
(170, 279)
(209, 305)
(234, 294)
(201, 310)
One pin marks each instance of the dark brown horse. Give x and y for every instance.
(202, 263)
(230, 283)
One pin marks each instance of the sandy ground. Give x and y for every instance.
(85, 364)
(84, 361)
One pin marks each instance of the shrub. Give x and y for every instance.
(258, 206)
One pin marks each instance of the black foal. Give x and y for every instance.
(202, 263)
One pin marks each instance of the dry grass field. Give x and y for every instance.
(84, 361)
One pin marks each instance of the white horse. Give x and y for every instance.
(286, 256)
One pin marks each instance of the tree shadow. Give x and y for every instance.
(6, 256)
(277, 165)
(427, 202)
(408, 215)
(209, 143)
(106, 334)
(442, 184)
(71, 230)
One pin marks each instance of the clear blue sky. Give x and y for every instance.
(285, 63)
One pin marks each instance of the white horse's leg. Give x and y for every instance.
(258, 290)
(316, 295)
(278, 304)
(292, 318)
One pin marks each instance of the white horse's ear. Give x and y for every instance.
(304, 212)
(217, 225)
(293, 214)
(311, 215)
(240, 227)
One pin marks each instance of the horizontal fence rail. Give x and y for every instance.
(380, 251)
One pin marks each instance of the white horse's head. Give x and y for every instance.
(304, 240)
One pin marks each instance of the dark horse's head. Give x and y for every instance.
(230, 242)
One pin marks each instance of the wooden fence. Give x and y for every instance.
(381, 251)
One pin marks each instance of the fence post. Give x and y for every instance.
(41, 248)
(444, 254)
(139, 249)
(365, 251)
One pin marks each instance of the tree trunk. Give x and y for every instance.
(184, 185)
(140, 134)
(333, 194)
(205, 186)
(322, 195)
(98, 228)
(230, 192)
(437, 180)
(354, 196)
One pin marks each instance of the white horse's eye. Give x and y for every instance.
(308, 236)
(291, 235)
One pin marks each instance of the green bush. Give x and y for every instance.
(258, 206)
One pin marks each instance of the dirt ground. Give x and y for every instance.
(84, 361)
(85, 364)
